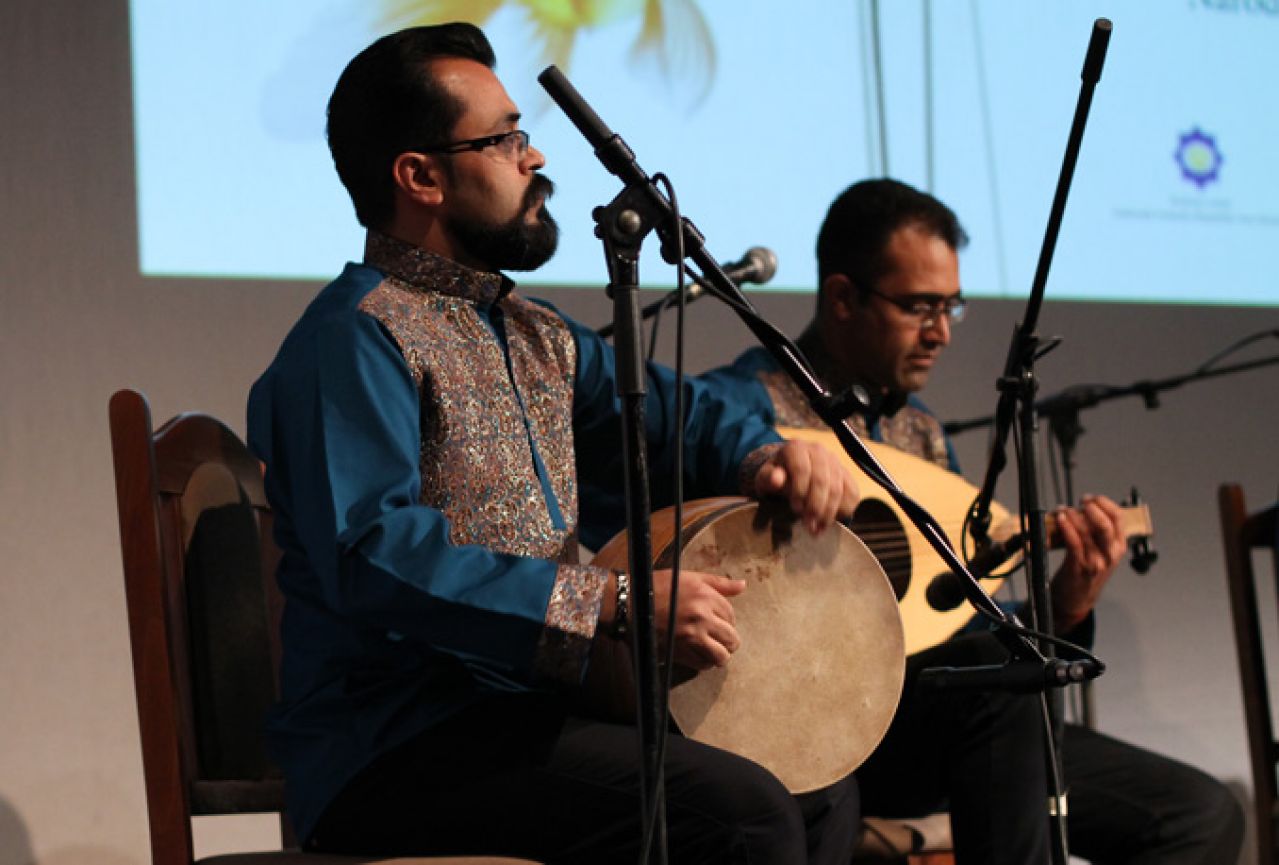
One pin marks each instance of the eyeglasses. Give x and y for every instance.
(927, 312)
(507, 146)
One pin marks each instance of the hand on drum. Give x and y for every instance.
(705, 634)
(817, 482)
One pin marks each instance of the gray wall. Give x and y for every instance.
(79, 322)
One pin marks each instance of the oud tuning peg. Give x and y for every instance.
(1141, 553)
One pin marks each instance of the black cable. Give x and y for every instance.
(678, 541)
(1207, 365)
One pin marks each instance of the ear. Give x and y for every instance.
(419, 178)
(838, 296)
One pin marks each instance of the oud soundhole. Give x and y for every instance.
(878, 527)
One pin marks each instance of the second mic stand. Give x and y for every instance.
(624, 222)
(1017, 395)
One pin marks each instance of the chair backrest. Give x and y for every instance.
(195, 534)
(204, 611)
(1242, 534)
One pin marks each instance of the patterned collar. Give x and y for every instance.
(427, 271)
(882, 403)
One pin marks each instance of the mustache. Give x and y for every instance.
(540, 186)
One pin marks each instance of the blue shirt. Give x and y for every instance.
(426, 433)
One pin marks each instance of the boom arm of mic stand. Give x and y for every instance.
(1017, 392)
(1088, 396)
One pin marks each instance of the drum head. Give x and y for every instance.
(813, 688)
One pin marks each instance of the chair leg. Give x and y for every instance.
(288, 838)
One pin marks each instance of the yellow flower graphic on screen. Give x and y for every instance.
(673, 37)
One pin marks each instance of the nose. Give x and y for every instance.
(534, 159)
(938, 332)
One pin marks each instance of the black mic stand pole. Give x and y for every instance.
(691, 294)
(1062, 411)
(622, 226)
(1017, 389)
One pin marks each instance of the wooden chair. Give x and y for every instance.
(919, 841)
(199, 567)
(1242, 534)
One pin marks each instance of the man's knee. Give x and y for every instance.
(1215, 818)
(744, 815)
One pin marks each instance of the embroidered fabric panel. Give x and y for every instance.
(544, 360)
(917, 433)
(476, 462)
(909, 429)
(415, 266)
(791, 407)
(571, 618)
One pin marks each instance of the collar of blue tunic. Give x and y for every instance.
(424, 270)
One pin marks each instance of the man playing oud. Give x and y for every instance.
(889, 294)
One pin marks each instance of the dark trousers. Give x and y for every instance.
(981, 755)
(517, 777)
(979, 752)
(1131, 806)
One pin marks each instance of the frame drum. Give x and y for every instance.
(812, 689)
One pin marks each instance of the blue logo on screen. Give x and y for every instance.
(1198, 157)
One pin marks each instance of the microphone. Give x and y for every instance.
(1019, 677)
(945, 591)
(757, 266)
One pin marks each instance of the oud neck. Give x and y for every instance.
(1134, 520)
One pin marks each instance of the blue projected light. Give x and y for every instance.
(760, 113)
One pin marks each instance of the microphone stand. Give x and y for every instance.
(1017, 389)
(691, 293)
(622, 226)
(640, 207)
(1063, 408)
(1089, 395)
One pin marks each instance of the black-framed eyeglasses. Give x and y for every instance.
(507, 146)
(927, 312)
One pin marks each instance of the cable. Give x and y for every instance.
(678, 541)
(1207, 365)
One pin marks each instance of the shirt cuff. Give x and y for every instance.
(571, 618)
(750, 467)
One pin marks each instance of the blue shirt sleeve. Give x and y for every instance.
(336, 420)
(719, 433)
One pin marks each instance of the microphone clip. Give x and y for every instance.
(838, 407)
(1016, 676)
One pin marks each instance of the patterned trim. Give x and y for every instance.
(918, 433)
(418, 268)
(750, 467)
(909, 428)
(790, 406)
(571, 619)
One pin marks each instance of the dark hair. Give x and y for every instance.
(386, 102)
(854, 236)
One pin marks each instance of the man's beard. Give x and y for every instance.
(515, 244)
